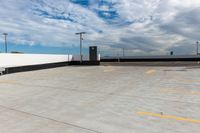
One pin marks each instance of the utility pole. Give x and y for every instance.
(197, 47)
(5, 35)
(81, 39)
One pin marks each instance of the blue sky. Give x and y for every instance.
(142, 27)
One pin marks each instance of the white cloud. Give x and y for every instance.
(152, 25)
(136, 9)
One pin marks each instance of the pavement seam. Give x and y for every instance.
(51, 119)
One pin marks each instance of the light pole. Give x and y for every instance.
(5, 34)
(197, 47)
(123, 52)
(81, 39)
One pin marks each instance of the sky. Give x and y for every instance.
(141, 27)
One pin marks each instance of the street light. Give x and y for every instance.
(81, 39)
(123, 52)
(197, 47)
(5, 34)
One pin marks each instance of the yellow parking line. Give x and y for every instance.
(9, 82)
(169, 117)
(109, 69)
(193, 92)
(150, 72)
(179, 91)
(189, 80)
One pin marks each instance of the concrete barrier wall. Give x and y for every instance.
(15, 60)
(85, 57)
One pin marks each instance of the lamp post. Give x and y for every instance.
(5, 35)
(123, 52)
(81, 39)
(197, 47)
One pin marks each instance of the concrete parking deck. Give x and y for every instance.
(105, 99)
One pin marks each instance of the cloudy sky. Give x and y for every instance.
(144, 27)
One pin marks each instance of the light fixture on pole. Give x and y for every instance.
(5, 35)
(81, 39)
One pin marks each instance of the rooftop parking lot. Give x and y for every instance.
(101, 99)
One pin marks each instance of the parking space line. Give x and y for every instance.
(109, 69)
(150, 72)
(9, 82)
(197, 93)
(179, 91)
(169, 117)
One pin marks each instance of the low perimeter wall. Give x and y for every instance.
(18, 60)
(11, 63)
